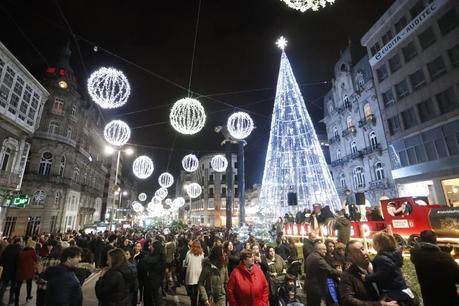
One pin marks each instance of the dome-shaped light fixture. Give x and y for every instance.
(142, 197)
(109, 88)
(190, 163)
(219, 163)
(194, 190)
(166, 180)
(142, 167)
(187, 116)
(117, 133)
(240, 125)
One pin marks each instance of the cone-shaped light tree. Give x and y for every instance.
(294, 162)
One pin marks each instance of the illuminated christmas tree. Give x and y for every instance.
(294, 160)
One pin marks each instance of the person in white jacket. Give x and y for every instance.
(193, 264)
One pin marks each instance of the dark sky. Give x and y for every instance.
(235, 51)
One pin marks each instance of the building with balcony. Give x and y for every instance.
(65, 174)
(358, 149)
(414, 55)
(210, 207)
(21, 104)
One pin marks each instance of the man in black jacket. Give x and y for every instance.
(438, 273)
(154, 264)
(10, 261)
(308, 246)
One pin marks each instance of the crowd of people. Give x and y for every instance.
(138, 267)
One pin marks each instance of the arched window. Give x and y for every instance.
(46, 162)
(74, 110)
(76, 174)
(330, 106)
(342, 180)
(7, 158)
(338, 154)
(53, 127)
(335, 132)
(343, 67)
(373, 140)
(354, 147)
(39, 198)
(359, 178)
(360, 80)
(62, 166)
(368, 112)
(69, 133)
(349, 122)
(8, 154)
(346, 101)
(379, 171)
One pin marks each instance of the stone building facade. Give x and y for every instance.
(357, 143)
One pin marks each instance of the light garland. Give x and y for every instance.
(157, 199)
(187, 116)
(117, 133)
(304, 5)
(166, 180)
(219, 163)
(161, 193)
(240, 125)
(109, 88)
(194, 190)
(142, 197)
(178, 202)
(142, 167)
(137, 207)
(168, 201)
(190, 163)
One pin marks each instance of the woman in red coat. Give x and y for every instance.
(26, 269)
(247, 285)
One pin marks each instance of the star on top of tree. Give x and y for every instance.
(281, 43)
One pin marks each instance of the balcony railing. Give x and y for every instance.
(370, 119)
(9, 180)
(334, 139)
(378, 184)
(56, 137)
(374, 148)
(349, 131)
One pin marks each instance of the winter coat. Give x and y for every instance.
(283, 250)
(308, 248)
(354, 291)
(212, 282)
(193, 266)
(437, 273)
(170, 251)
(247, 287)
(233, 262)
(277, 265)
(27, 262)
(115, 287)
(62, 287)
(343, 226)
(10, 261)
(153, 266)
(284, 295)
(316, 277)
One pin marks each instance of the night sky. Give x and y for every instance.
(152, 41)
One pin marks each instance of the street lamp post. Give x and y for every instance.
(241, 181)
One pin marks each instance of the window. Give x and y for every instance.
(350, 124)
(10, 224)
(360, 79)
(62, 166)
(436, 68)
(374, 49)
(236, 192)
(53, 127)
(379, 171)
(400, 24)
(409, 118)
(367, 111)
(394, 63)
(453, 54)
(76, 174)
(338, 154)
(342, 180)
(8, 151)
(417, 8)
(447, 101)
(394, 125)
(401, 89)
(211, 192)
(39, 198)
(354, 147)
(426, 110)
(417, 79)
(359, 178)
(69, 133)
(74, 111)
(381, 72)
(46, 162)
(330, 106)
(346, 102)
(58, 106)
(373, 140)
(427, 38)
(387, 37)
(211, 178)
(223, 191)
(57, 198)
(335, 132)
(388, 98)
(448, 21)
(409, 52)
(53, 223)
(223, 177)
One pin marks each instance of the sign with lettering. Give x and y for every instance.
(17, 201)
(412, 26)
(400, 224)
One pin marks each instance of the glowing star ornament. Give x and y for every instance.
(190, 163)
(142, 197)
(240, 125)
(281, 43)
(142, 167)
(161, 193)
(193, 190)
(166, 180)
(304, 5)
(117, 133)
(187, 116)
(109, 88)
(219, 163)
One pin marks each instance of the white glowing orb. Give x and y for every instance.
(142, 167)
(157, 199)
(304, 5)
(281, 43)
(194, 190)
(168, 201)
(117, 133)
(187, 116)
(178, 202)
(109, 88)
(161, 193)
(240, 125)
(137, 207)
(190, 163)
(166, 180)
(142, 197)
(219, 163)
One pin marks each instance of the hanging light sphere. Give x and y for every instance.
(142, 197)
(190, 163)
(194, 190)
(156, 200)
(150, 206)
(168, 201)
(117, 133)
(187, 116)
(161, 193)
(178, 202)
(304, 5)
(240, 125)
(219, 163)
(137, 207)
(142, 167)
(109, 88)
(166, 180)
